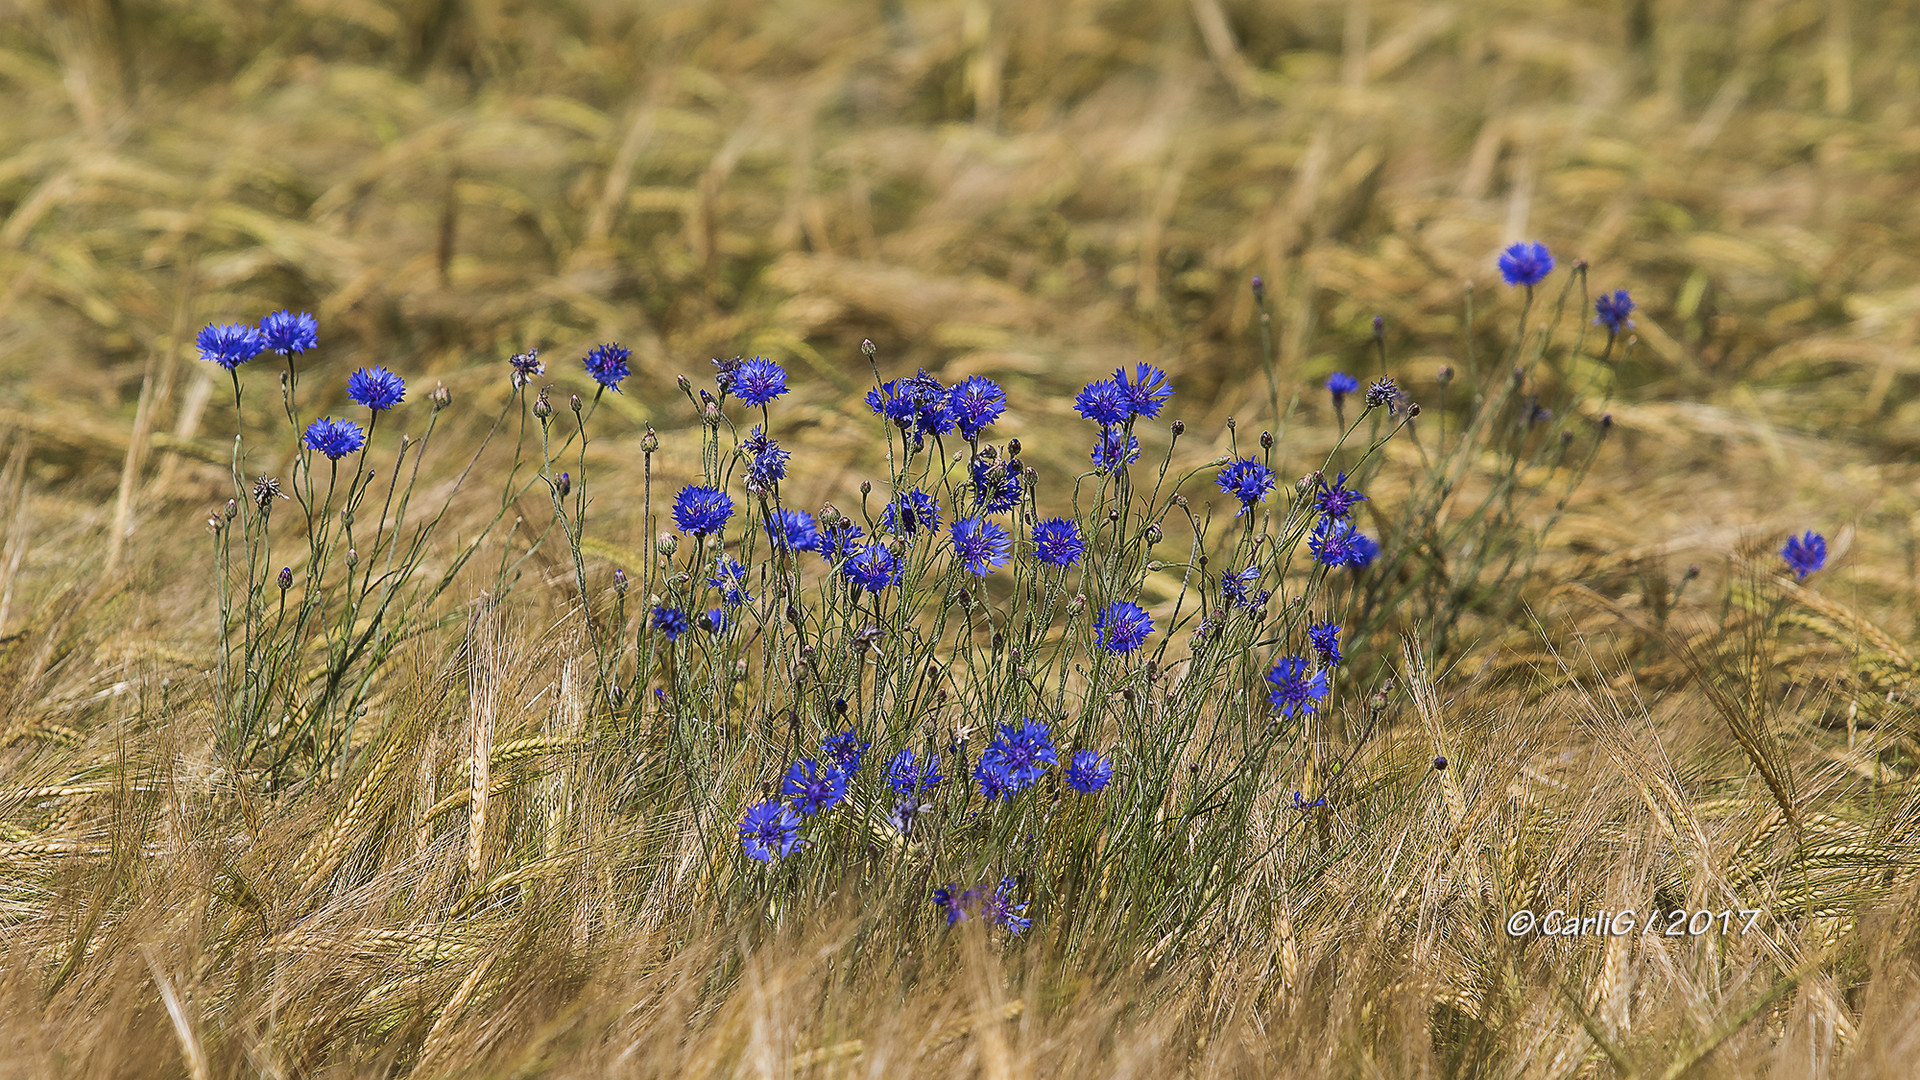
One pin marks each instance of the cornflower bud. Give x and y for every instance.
(441, 397)
(542, 409)
(232, 509)
(649, 442)
(286, 578)
(1077, 605)
(564, 485)
(1153, 535)
(1013, 447)
(620, 583)
(1413, 409)
(685, 386)
(1266, 440)
(867, 348)
(353, 557)
(1446, 374)
(866, 488)
(1179, 428)
(575, 402)
(667, 544)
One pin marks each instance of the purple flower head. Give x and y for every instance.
(526, 366)
(714, 621)
(910, 513)
(975, 403)
(671, 621)
(979, 545)
(376, 388)
(892, 402)
(836, 540)
(729, 575)
(793, 530)
(1115, 450)
(1247, 480)
(1104, 403)
(1612, 311)
(998, 908)
(230, 344)
(845, 751)
(1325, 639)
(1340, 384)
(1057, 542)
(1022, 753)
(1122, 627)
(995, 782)
(334, 438)
(1234, 588)
(996, 484)
(769, 831)
(756, 381)
(608, 365)
(871, 568)
(701, 510)
(1336, 500)
(814, 787)
(1335, 542)
(1297, 690)
(1805, 554)
(1148, 390)
(907, 775)
(286, 332)
(1526, 264)
(766, 462)
(1088, 772)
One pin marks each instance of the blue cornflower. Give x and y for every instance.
(814, 787)
(767, 463)
(671, 621)
(845, 751)
(230, 345)
(932, 408)
(1147, 392)
(998, 907)
(1336, 500)
(1301, 804)
(910, 513)
(1335, 542)
(979, 545)
(953, 904)
(757, 381)
(1526, 264)
(1115, 449)
(335, 438)
(769, 831)
(715, 621)
(701, 510)
(1612, 311)
(286, 332)
(893, 402)
(1247, 480)
(1325, 639)
(525, 366)
(1340, 384)
(1022, 753)
(1088, 772)
(836, 540)
(1383, 392)
(871, 568)
(793, 530)
(1234, 588)
(994, 780)
(1104, 403)
(1057, 542)
(907, 775)
(1122, 627)
(1805, 554)
(376, 388)
(731, 576)
(1296, 689)
(608, 365)
(975, 403)
(996, 484)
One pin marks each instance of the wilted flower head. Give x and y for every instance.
(334, 438)
(769, 831)
(230, 344)
(286, 332)
(376, 388)
(1057, 542)
(526, 366)
(265, 490)
(757, 381)
(1526, 264)
(608, 365)
(1122, 627)
(1805, 554)
(701, 510)
(1383, 392)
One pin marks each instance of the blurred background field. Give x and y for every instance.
(1037, 192)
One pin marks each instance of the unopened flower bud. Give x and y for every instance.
(620, 582)
(1076, 605)
(686, 387)
(667, 544)
(1259, 289)
(1413, 409)
(1266, 440)
(866, 488)
(867, 348)
(441, 397)
(575, 402)
(542, 409)
(1379, 328)
(1013, 447)
(353, 557)
(1230, 424)
(564, 485)
(1153, 534)
(286, 578)
(1179, 428)
(232, 509)
(1446, 374)
(649, 442)
(346, 517)
(1440, 764)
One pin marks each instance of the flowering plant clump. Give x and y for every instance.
(980, 670)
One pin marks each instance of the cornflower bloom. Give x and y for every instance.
(996, 484)
(1234, 588)
(1526, 264)
(845, 751)
(1612, 311)
(976, 403)
(1325, 639)
(1057, 542)
(286, 332)
(334, 438)
(1022, 752)
(729, 575)
(814, 787)
(1336, 500)
(792, 530)
(1104, 403)
(994, 780)
(1340, 384)
(376, 388)
(979, 545)
(1335, 542)
(1247, 480)
(871, 568)
(836, 540)
(906, 775)
(769, 831)
(757, 381)
(766, 462)
(1148, 391)
(1297, 690)
(1805, 554)
(671, 621)
(910, 513)
(608, 365)
(701, 510)
(1115, 449)
(1122, 627)
(229, 344)
(1088, 772)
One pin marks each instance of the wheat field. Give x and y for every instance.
(1597, 688)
